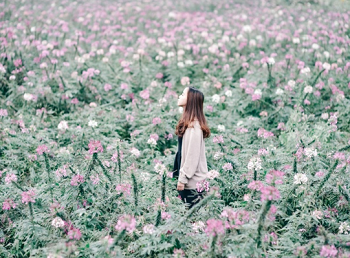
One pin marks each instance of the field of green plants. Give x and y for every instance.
(88, 109)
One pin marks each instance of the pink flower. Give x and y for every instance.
(235, 218)
(95, 147)
(144, 94)
(17, 62)
(256, 97)
(154, 136)
(269, 193)
(124, 86)
(263, 152)
(127, 222)
(165, 215)
(28, 196)
(107, 87)
(10, 178)
(319, 174)
(255, 185)
(227, 166)
(218, 139)
(74, 233)
(274, 177)
(185, 81)
(168, 84)
(8, 204)
(156, 120)
(115, 156)
(123, 188)
(41, 149)
(210, 108)
(328, 251)
(281, 126)
(214, 227)
(77, 179)
(95, 179)
(202, 185)
(74, 101)
(263, 133)
(159, 75)
(3, 112)
(339, 155)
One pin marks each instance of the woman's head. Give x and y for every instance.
(192, 102)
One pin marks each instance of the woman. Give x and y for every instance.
(190, 163)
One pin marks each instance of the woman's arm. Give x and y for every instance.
(194, 136)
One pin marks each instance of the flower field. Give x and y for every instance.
(88, 109)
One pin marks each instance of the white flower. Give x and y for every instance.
(221, 128)
(317, 214)
(212, 49)
(63, 151)
(198, 226)
(254, 163)
(326, 66)
(92, 123)
(310, 152)
(228, 93)
(28, 96)
(160, 168)
(148, 229)
(189, 62)
(291, 83)
(339, 97)
(57, 222)
(100, 52)
(215, 98)
(180, 64)
(12, 78)
(324, 116)
(271, 60)
(315, 46)
(152, 141)
(62, 126)
(305, 70)
(326, 54)
(300, 178)
(170, 54)
(105, 60)
(296, 40)
(218, 155)
(308, 89)
(258, 92)
(279, 91)
(247, 28)
(344, 228)
(43, 65)
(135, 152)
(213, 174)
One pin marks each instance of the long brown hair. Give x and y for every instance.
(192, 110)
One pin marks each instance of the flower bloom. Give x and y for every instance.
(41, 149)
(254, 163)
(185, 81)
(165, 215)
(95, 179)
(269, 193)
(63, 125)
(202, 185)
(144, 94)
(218, 139)
(160, 168)
(213, 174)
(135, 152)
(214, 227)
(57, 222)
(328, 251)
(255, 185)
(77, 179)
(95, 147)
(123, 188)
(198, 226)
(227, 166)
(3, 112)
(74, 233)
(148, 229)
(235, 218)
(156, 120)
(263, 133)
(8, 204)
(28, 196)
(10, 178)
(127, 222)
(300, 178)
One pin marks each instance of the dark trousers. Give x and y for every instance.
(191, 197)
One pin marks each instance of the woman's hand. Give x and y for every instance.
(180, 186)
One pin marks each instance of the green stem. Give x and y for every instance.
(327, 177)
(262, 220)
(49, 174)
